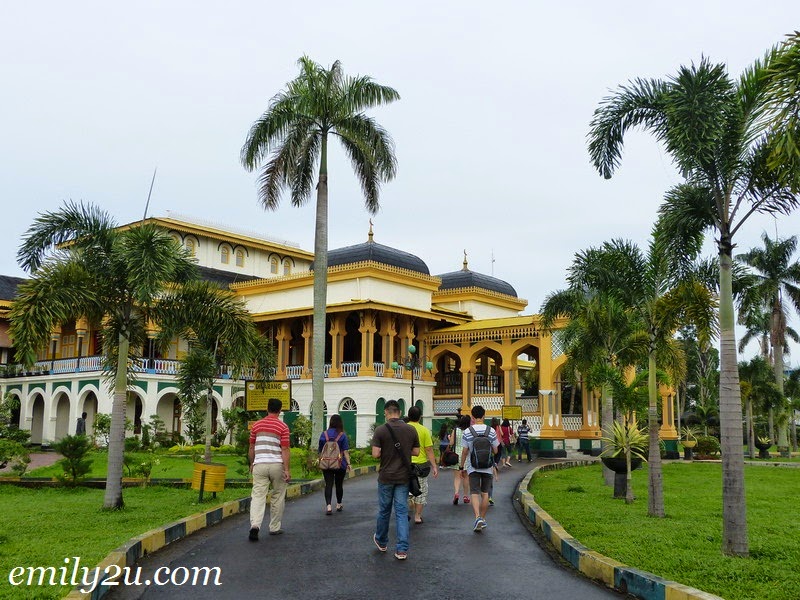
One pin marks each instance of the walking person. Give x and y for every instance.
(459, 474)
(444, 442)
(501, 457)
(506, 435)
(423, 463)
(269, 465)
(80, 426)
(334, 461)
(394, 443)
(480, 444)
(523, 442)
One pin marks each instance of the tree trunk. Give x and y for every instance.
(655, 481)
(209, 400)
(607, 417)
(572, 394)
(734, 508)
(628, 479)
(116, 439)
(320, 296)
(777, 333)
(771, 425)
(751, 438)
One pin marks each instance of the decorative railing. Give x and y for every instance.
(489, 403)
(488, 384)
(294, 371)
(380, 368)
(529, 404)
(446, 407)
(350, 369)
(572, 422)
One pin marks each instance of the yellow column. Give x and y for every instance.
(307, 338)
(367, 329)
(407, 337)
(667, 430)
(337, 344)
(545, 362)
(508, 384)
(388, 332)
(590, 426)
(550, 404)
(283, 335)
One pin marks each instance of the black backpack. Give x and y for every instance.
(481, 454)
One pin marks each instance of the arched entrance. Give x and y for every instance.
(37, 419)
(348, 410)
(89, 406)
(62, 417)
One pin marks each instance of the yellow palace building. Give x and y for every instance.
(471, 345)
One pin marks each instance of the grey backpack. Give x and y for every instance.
(481, 454)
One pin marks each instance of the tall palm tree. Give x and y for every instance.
(783, 80)
(82, 264)
(714, 128)
(601, 336)
(776, 277)
(658, 288)
(293, 133)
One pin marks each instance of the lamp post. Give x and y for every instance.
(411, 361)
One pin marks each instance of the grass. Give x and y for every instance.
(30, 539)
(686, 545)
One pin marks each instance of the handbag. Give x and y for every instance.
(449, 458)
(413, 480)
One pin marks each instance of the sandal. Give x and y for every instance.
(328, 511)
(466, 499)
(339, 508)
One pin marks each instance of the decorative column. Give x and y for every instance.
(81, 329)
(551, 438)
(509, 391)
(307, 337)
(466, 388)
(367, 328)
(545, 362)
(337, 344)
(407, 338)
(590, 434)
(283, 335)
(387, 332)
(667, 431)
(55, 337)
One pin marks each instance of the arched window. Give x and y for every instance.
(273, 266)
(287, 267)
(191, 246)
(348, 404)
(225, 255)
(240, 258)
(294, 405)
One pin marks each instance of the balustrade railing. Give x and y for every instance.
(294, 371)
(380, 368)
(350, 369)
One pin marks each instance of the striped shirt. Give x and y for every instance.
(269, 435)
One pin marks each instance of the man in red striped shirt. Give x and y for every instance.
(269, 464)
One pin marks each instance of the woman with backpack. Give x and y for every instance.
(459, 475)
(334, 461)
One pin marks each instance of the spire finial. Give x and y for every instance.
(466, 266)
(370, 231)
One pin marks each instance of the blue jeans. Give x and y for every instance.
(388, 494)
(523, 446)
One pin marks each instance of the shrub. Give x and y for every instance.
(301, 432)
(75, 463)
(707, 445)
(357, 456)
(16, 454)
(132, 444)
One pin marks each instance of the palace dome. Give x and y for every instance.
(375, 252)
(470, 279)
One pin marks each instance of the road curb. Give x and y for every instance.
(131, 551)
(612, 573)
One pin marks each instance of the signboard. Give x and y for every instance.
(512, 413)
(258, 393)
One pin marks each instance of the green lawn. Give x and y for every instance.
(685, 546)
(42, 527)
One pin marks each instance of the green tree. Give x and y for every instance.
(759, 391)
(219, 333)
(294, 133)
(658, 288)
(777, 285)
(783, 90)
(601, 335)
(83, 264)
(76, 462)
(714, 128)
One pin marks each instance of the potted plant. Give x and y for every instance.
(689, 440)
(625, 449)
(763, 444)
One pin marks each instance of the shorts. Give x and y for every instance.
(480, 483)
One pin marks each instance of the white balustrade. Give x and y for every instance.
(380, 368)
(350, 369)
(294, 371)
(572, 422)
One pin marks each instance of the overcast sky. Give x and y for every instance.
(490, 131)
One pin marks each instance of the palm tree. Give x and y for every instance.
(658, 288)
(776, 277)
(714, 128)
(218, 332)
(783, 79)
(120, 279)
(601, 336)
(792, 390)
(758, 385)
(294, 133)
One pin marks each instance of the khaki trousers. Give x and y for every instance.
(265, 474)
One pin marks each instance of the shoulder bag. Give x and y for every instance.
(413, 481)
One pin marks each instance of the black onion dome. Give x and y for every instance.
(375, 252)
(469, 279)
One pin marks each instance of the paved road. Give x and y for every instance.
(331, 557)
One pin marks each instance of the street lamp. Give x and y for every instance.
(411, 361)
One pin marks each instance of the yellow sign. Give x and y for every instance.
(258, 393)
(512, 413)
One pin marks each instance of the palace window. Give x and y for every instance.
(240, 258)
(225, 255)
(191, 246)
(273, 266)
(287, 267)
